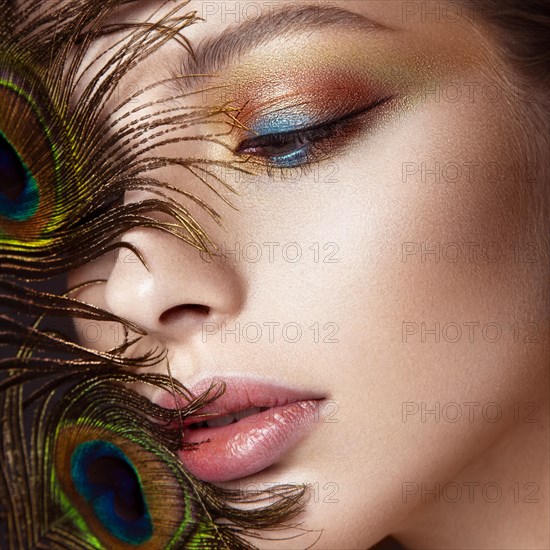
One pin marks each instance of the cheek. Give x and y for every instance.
(448, 281)
(437, 294)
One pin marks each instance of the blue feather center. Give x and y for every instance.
(105, 477)
(19, 194)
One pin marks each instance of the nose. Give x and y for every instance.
(177, 293)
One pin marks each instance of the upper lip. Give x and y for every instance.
(240, 394)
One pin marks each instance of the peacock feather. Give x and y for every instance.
(65, 159)
(85, 460)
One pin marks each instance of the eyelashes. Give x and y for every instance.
(282, 150)
(290, 149)
(303, 146)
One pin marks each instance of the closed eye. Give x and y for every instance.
(299, 147)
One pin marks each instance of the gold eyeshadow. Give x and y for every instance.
(314, 83)
(303, 82)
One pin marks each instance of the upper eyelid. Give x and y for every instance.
(339, 119)
(247, 143)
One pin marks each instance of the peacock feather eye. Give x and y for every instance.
(107, 480)
(19, 196)
(30, 168)
(124, 490)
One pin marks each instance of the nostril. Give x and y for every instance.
(197, 311)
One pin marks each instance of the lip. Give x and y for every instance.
(253, 443)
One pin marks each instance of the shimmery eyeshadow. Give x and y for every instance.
(319, 69)
(307, 81)
(291, 160)
(301, 87)
(280, 122)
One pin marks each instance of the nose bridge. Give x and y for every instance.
(178, 291)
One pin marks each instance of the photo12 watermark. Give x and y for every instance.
(226, 11)
(491, 492)
(471, 332)
(319, 492)
(274, 252)
(455, 172)
(450, 11)
(270, 332)
(469, 252)
(468, 412)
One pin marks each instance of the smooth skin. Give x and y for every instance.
(450, 164)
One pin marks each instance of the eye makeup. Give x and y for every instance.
(299, 102)
(290, 142)
(307, 98)
(276, 133)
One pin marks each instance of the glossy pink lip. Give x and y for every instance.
(254, 442)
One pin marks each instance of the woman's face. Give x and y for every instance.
(383, 261)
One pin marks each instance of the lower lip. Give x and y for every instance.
(250, 445)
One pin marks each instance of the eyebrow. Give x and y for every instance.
(217, 52)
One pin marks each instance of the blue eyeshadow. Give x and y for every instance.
(279, 123)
